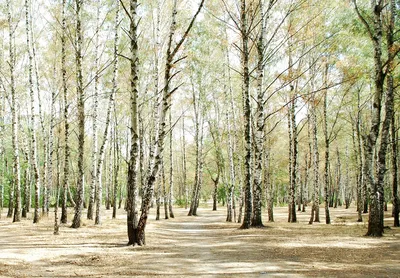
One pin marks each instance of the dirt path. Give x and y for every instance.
(203, 246)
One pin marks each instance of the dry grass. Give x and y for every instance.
(203, 246)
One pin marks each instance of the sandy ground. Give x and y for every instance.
(202, 246)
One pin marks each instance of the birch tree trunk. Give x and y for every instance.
(348, 190)
(114, 90)
(327, 143)
(217, 141)
(50, 150)
(36, 216)
(76, 222)
(132, 190)
(116, 161)
(94, 158)
(395, 197)
(2, 148)
(56, 224)
(164, 190)
(315, 160)
(338, 178)
(390, 102)
(256, 220)
(197, 107)
(376, 216)
(45, 133)
(184, 178)
(171, 167)
(156, 155)
(376, 182)
(26, 201)
(110, 174)
(110, 108)
(230, 118)
(14, 115)
(244, 32)
(269, 193)
(361, 184)
(231, 184)
(158, 195)
(64, 211)
(294, 153)
(48, 147)
(101, 159)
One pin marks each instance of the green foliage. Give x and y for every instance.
(181, 202)
(221, 194)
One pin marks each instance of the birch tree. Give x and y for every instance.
(76, 222)
(260, 121)
(64, 212)
(375, 176)
(94, 159)
(155, 156)
(132, 217)
(245, 53)
(16, 184)
(33, 116)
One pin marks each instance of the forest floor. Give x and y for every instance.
(202, 246)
